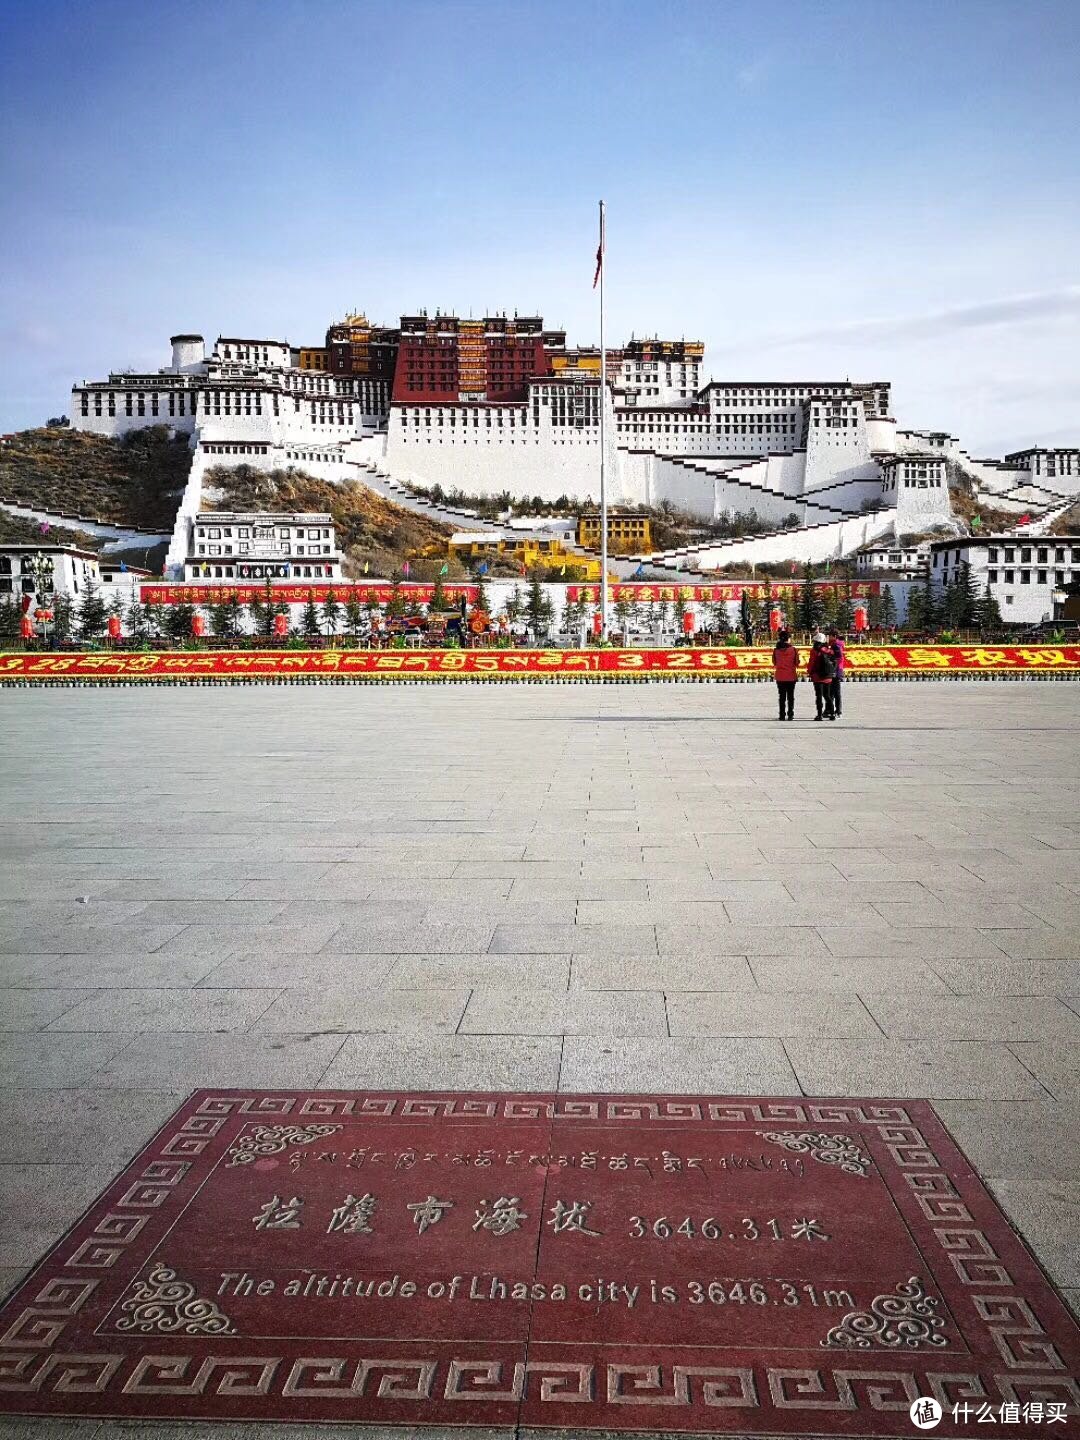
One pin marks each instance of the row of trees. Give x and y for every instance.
(960, 607)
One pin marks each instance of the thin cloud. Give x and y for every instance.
(1016, 310)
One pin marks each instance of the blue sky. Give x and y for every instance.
(881, 189)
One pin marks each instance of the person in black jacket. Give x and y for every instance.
(821, 668)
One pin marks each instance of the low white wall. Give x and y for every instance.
(815, 543)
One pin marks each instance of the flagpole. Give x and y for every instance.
(603, 444)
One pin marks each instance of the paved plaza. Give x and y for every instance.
(589, 888)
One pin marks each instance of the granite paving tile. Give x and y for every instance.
(1054, 1063)
(30, 1009)
(1039, 944)
(967, 1017)
(847, 975)
(40, 1201)
(655, 1064)
(763, 1016)
(934, 1070)
(486, 972)
(84, 1126)
(1047, 1213)
(648, 972)
(577, 1012)
(373, 1011)
(455, 1062)
(513, 939)
(138, 1010)
(918, 942)
(691, 939)
(1006, 976)
(48, 1060)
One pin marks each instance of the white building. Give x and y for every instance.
(893, 558)
(65, 569)
(257, 545)
(1022, 572)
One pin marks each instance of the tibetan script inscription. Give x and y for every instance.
(711, 1265)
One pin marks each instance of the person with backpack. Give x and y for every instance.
(785, 659)
(821, 668)
(836, 649)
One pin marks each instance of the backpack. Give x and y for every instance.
(826, 665)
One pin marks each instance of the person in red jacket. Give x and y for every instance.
(821, 668)
(838, 650)
(785, 659)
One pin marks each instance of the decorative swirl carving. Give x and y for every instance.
(838, 1150)
(904, 1319)
(166, 1305)
(273, 1139)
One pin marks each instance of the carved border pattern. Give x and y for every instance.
(635, 1112)
(1034, 1370)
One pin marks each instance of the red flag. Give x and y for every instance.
(599, 249)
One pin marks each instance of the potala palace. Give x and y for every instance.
(503, 405)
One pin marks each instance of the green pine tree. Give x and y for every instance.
(178, 620)
(988, 615)
(63, 624)
(10, 619)
(829, 617)
(515, 605)
(888, 608)
(968, 598)
(845, 608)
(309, 620)
(396, 608)
(438, 602)
(809, 607)
(234, 617)
(481, 602)
(138, 625)
(758, 619)
(534, 606)
(256, 608)
(91, 613)
(354, 616)
(923, 608)
(331, 612)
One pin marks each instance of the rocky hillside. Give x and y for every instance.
(370, 530)
(134, 481)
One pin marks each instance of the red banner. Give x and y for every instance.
(381, 593)
(748, 663)
(648, 592)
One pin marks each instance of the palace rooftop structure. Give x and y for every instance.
(501, 404)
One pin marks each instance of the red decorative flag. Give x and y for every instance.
(599, 249)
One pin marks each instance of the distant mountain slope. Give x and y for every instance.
(136, 480)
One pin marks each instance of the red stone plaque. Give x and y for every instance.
(586, 1262)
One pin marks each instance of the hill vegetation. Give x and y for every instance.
(136, 480)
(17, 530)
(371, 531)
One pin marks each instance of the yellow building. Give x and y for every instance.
(314, 358)
(628, 534)
(523, 549)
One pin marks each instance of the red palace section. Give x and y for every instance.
(708, 1265)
